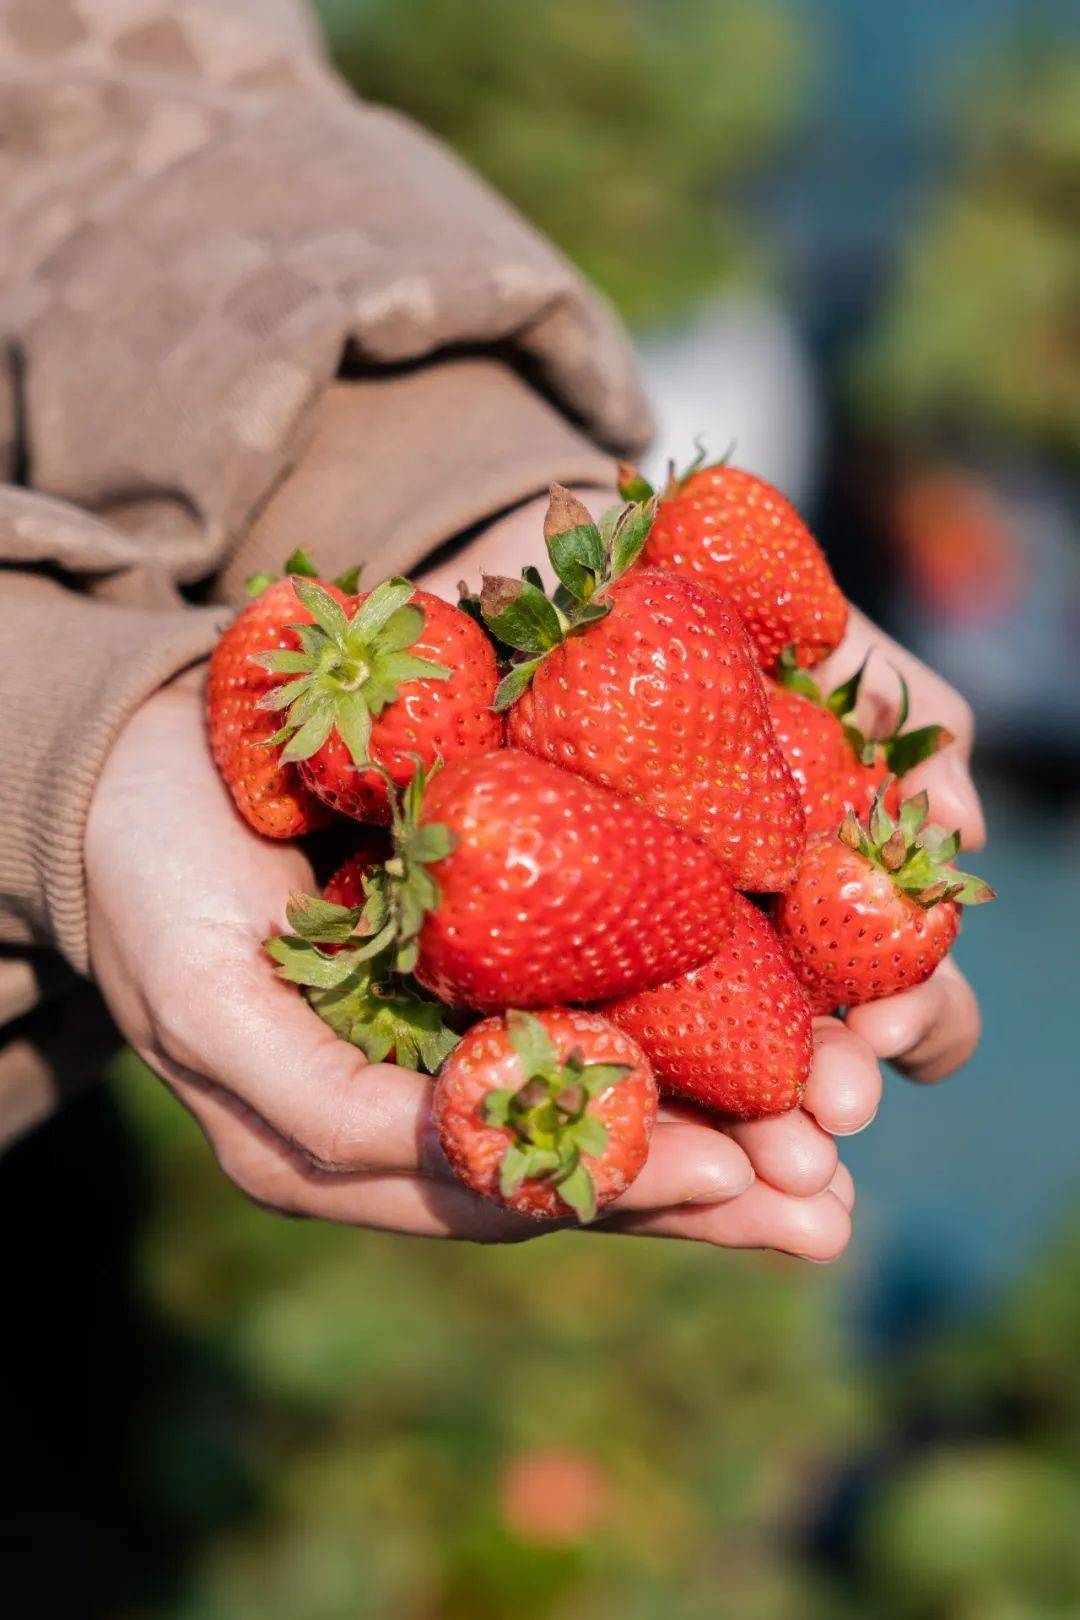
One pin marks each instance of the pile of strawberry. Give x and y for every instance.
(567, 802)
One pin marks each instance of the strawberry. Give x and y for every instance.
(268, 792)
(549, 1114)
(734, 1034)
(346, 887)
(875, 907)
(644, 682)
(516, 883)
(382, 679)
(735, 532)
(834, 763)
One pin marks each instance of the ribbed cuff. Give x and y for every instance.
(399, 462)
(75, 670)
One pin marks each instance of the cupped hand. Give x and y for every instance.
(932, 1030)
(182, 893)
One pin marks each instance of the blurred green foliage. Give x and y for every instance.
(982, 328)
(356, 1399)
(622, 128)
(332, 1432)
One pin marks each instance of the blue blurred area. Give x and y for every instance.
(961, 1184)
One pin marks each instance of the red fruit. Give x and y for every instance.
(733, 531)
(516, 883)
(268, 793)
(874, 910)
(548, 1114)
(652, 690)
(346, 887)
(833, 762)
(388, 676)
(734, 1034)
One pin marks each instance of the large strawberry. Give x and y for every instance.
(735, 532)
(875, 907)
(644, 681)
(834, 763)
(549, 1114)
(387, 677)
(734, 1034)
(514, 883)
(268, 791)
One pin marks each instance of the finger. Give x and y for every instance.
(688, 1161)
(928, 1032)
(842, 1186)
(275, 1175)
(954, 801)
(789, 1151)
(816, 1228)
(844, 1089)
(265, 1045)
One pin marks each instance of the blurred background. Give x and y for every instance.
(847, 239)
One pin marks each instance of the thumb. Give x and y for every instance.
(265, 1047)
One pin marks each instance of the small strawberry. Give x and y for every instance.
(874, 908)
(644, 682)
(515, 883)
(346, 887)
(548, 1114)
(387, 677)
(268, 792)
(735, 532)
(834, 763)
(734, 1034)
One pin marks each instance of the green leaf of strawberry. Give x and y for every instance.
(916, 855)
(348, 668)
(586, 557)
(520, 614)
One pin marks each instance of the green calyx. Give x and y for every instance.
(917, 855)
(633, 487)
(301, 566)
(524, 623)
(548, 1116)
(363, 987)
(901, 750)
(346, 670)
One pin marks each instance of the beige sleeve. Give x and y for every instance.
(240, 312)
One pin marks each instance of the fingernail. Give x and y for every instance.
(858, 1129)
(721, 1192)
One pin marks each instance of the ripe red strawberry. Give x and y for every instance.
(388, 676)
(874, 909)
(346, 887)
(548, 1114)
(645, 682)
(833, 762)
(735, 532)
(734, 1034)
(268, 792)
(515, 883)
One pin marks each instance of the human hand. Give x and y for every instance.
(181, 894)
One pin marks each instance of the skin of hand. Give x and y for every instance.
(181, 893)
